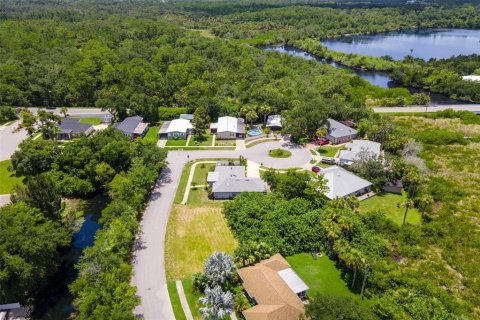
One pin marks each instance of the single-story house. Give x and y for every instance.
(342, 183)
(175, 129)
(229, 128)
(340, 133)
(70, 128)
(132, 127)
(229, 181)
(274, 122)
(274, 288)
(394, 186)
(359, 149)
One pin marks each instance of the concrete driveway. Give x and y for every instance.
(148, 256)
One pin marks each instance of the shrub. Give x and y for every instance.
(441, 137)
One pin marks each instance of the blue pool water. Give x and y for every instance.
(254, 131)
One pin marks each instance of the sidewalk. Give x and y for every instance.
(183, 300)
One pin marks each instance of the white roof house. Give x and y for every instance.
(274, 120)
(342, 183)
(471, 78)
(229, 124)
(228, 181)
(357, 148)
(179, 125)
(292, 280)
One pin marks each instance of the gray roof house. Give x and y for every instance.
(132, 127)
(340, 133)
(342, 183)
(274, 122)
(70, 128)
(359, 149)
(229, 181)
(229, 128)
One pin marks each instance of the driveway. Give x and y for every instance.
(10, 139)
(148, 256)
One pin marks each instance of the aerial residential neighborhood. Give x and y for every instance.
(229, 160)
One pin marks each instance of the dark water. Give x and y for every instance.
(425, 44)
(378, 78)
(55, 302)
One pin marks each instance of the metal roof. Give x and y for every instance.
(338, 129)
(179, 125)
(293, 280)
(230, 124)
(274, 120)
(354, 148)
(341, 182)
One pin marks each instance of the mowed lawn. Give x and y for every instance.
(321, 276)
(327, 151)
(92, 121)
(389, 203)
(152, 134)
(193, 234)
(207, 141)
(176, 143)
(7, 179)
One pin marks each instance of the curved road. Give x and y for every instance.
(148, 258)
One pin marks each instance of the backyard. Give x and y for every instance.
(389, 204)
(92, 121)
(7, 178)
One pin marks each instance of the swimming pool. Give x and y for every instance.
(254, 131)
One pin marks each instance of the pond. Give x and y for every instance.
(424, 44)
(378, 78)
(55, 301)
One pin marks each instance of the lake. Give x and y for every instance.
(426, 43)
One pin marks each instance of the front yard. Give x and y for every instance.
(328, 151)
(152, 134)
(225, 143)
(388, 203)
(7, 179)
(176, 143)
(206, 142)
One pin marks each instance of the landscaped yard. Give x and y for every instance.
(7, 179)
(206, 142)
(328, 151)
(225, 143)
(321, 275)
(279, 153)
(388, 203)
(92, 121)
(176, 143)
(152, 134)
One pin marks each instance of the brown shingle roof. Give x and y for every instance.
(276, 301)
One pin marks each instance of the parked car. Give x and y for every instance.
(316, 169)
(328, 160)
(323, 141)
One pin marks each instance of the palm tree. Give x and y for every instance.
(64, 111)
(217, 304)
(265, 110)
(365, 275)
(407, 204)
(219, 268)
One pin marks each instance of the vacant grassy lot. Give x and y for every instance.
(321, 275)
(388, 203)
(7, 179)
(193, 234)
(92, 121)
(176, 143)
(152, 134)
(206, 142)
(328, 151)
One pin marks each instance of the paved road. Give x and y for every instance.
(457, 107)
(4, 199)
(10, 139)
(148, 262)
(78, 112)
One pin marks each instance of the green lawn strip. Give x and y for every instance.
(279, 153)
(330, 152)
(201, 172)
(175, 300)
(207, 141)
(199, 148)
(321, 275)
(176, 143)
(152, 134)
(7, 179)
(7, 123)
(92, 121)
(224, 143)
(255, 142)
(192, 297)
(388, 203)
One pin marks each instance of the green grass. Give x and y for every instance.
(192, 298)
(321, 276)
(279, 153)
(255, 142)
(206, 142)
(92, 121)
(7, 179)
(225, 143)
(175, 300)
(176, 143)
(388, 203)
(152, 134)
(200, 148)
(328, 151)
(201, 172)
